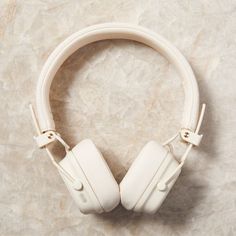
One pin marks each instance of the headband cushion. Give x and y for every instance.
(88, 160)
(138, 188)
(116, 31)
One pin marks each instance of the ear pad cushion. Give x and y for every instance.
(138, 188)
(100, 191)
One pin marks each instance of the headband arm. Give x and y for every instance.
(191, 140)
(44, 139)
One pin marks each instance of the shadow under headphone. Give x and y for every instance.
(84, 171)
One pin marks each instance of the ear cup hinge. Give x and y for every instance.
(193, 137)
(44, 139)
(190, 137)
(47, 137)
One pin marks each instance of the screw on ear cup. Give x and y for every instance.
(99, 191)
(138, 188)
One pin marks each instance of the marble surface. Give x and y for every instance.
(120, 94)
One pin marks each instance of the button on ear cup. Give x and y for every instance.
(78, 186)
(84, 197)
(138, 189)
(98, 190)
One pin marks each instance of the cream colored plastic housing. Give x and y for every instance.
(138, 189)
(84, 170)
(96, 190)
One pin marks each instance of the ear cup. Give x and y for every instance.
(138, 188)
(96, 189)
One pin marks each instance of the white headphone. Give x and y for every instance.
(84, 171)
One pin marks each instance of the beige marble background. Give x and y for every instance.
(120, 94)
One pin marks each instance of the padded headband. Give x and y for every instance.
(116, 31)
